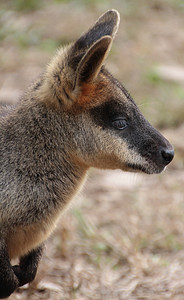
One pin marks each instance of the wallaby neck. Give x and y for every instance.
(41, 142)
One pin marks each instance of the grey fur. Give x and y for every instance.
(59, 129)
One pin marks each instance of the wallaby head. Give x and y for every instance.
(75, 116)
(110, 131)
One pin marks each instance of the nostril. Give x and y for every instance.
(167, 155)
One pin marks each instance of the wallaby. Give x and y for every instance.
(75, 116)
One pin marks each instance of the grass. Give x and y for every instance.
(164, 105)
(25, 5)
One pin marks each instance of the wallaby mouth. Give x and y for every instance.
(154, 163)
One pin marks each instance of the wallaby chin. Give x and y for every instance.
(147, 169)
(75, 116)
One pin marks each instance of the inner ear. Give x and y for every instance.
(92, 61)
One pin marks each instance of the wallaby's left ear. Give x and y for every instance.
(107, 24)
(80, 62)
(92, 61)
(90, 50)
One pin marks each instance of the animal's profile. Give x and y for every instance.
(75, 116)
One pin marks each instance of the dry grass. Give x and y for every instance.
(123, 237)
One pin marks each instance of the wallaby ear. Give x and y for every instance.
(92, 61)
(80, 62)
(90, 50)
(107, 24)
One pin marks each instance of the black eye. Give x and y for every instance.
(119, 124)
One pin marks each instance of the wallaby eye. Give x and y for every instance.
(119, 124)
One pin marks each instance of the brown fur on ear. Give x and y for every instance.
(88, 92)
(93, 94)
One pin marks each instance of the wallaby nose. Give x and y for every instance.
(167, 155)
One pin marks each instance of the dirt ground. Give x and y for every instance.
(123, 236)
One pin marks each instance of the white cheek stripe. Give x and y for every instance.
(128, 155)
(118, 148)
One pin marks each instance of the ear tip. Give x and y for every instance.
(112, 14)
(113, 17)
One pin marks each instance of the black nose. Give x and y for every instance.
(167, 155)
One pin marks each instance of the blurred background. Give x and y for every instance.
(123, 237)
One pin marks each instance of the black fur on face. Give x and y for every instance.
(139, 135)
